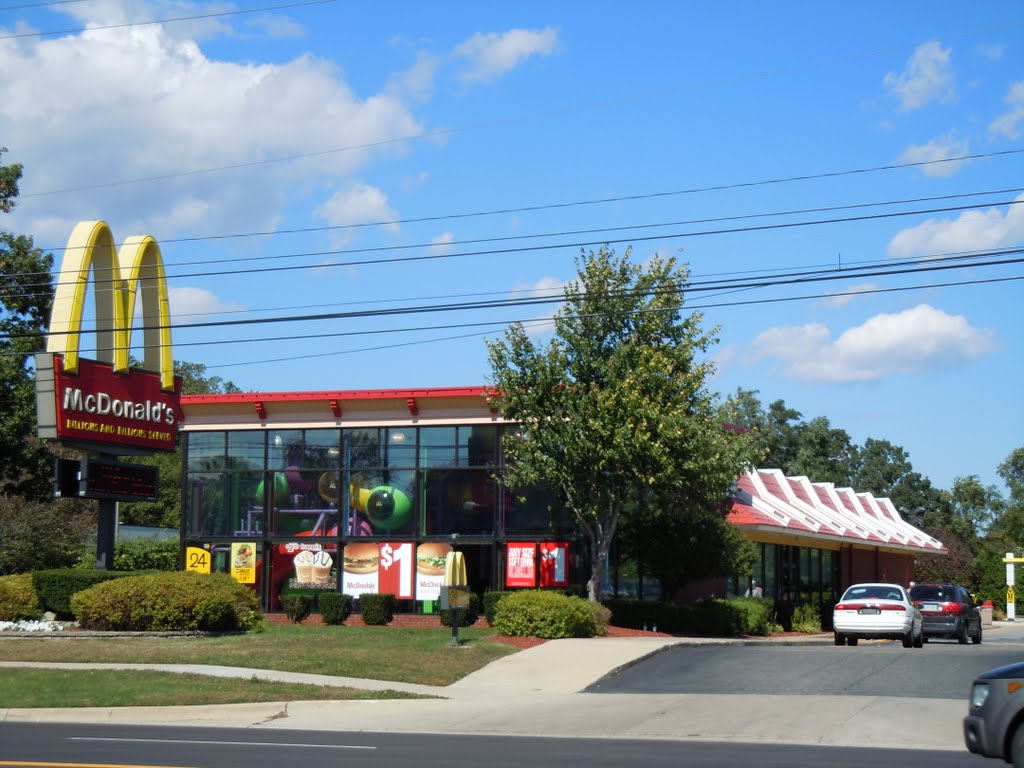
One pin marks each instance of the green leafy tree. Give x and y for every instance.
(36, 535)
(615, 407)
(958, 566)
(26, 296)
(884, 469)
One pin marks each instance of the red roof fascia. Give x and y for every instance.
(336, 395)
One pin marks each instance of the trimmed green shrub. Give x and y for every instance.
(18, 599)
(335, 607)
(713, 617)
(550, 615)
(490, 603)
(297, 607)
(179, 601)
(467, 615)
(806, 618)
(377, 610)
(56, 587)
(146, 554)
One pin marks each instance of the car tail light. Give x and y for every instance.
(879, 606)
(951, 608)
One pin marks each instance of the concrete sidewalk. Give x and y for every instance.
(537, 692)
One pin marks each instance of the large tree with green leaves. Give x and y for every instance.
(615, 408)
(26, 295)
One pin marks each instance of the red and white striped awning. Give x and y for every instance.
(767, 500)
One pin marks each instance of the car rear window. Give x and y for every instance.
(932, 592)
(876, 592)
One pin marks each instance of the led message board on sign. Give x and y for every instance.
(121, 482)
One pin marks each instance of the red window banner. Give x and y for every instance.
(554, 564)
(396, 569)
(521, 564)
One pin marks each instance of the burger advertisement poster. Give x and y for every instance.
(400, 568)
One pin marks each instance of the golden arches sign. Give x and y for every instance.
(119, 276)
(104, 405)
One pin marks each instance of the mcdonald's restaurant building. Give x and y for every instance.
(367, 491)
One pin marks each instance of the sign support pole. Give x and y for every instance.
(106, 534)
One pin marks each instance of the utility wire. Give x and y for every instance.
(79, 30)
(100, 280)
(686, 288)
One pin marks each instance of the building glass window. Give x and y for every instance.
(379, 503)
(478, 446)
(438, 447)
(771, 582)
(206, 451)
(246, 450)
(534, 511)
(458, 501)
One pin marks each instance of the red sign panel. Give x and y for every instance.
(521, 564)
(97, 405)
(397, 569)
(554, 564)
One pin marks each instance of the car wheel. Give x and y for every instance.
(977, 637)
(961, 636)
(1017, 747)
(919, 640)
(839, 639)
(851, 640)
(924, 638)
(908, 639)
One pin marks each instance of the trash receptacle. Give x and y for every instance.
(986, 613)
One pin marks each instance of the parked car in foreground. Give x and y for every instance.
(877, 611)
(994, 726)
(948, 610)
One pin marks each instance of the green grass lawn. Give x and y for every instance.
(423, 656)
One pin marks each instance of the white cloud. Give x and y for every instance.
(913, 341)
(489, 56)
(358, 203)
(418, 80)
(927, 77)
(1008, 123)
(938, 149)
(991, 51)
(189, 305)
(971, 231)
(847, 295)
(145, 102)
(442, 244)
(544, 288)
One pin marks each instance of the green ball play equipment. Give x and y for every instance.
(388, 507)
(281, 491)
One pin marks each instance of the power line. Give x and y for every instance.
(570, 204)
(690, 288)
(195, 17)
(552, 246)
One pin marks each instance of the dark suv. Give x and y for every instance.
(947, 610)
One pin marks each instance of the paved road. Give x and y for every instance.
(939, 671)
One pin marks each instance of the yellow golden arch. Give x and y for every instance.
(118, 278)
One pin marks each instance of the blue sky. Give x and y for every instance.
(419, 154)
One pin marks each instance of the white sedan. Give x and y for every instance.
(875, 611)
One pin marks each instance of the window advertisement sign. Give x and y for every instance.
(521, 564)
(360, 567)
(243, 562)
(430, 561)
(554, 560)
(396, 569)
